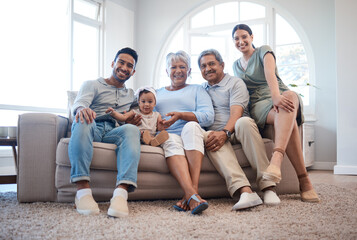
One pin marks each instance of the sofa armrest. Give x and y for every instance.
(38, 136)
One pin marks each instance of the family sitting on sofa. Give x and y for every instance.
(189, 120)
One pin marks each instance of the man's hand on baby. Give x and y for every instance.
(160, 125)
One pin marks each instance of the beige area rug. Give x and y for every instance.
(334, 218)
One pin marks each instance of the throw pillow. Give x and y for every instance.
(71, 97)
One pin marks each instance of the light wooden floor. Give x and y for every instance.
(345, 181)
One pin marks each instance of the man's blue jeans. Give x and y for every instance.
(127, 139)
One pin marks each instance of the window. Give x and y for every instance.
(291, 58)
(211, 26)
(37, 46)
(86, 41)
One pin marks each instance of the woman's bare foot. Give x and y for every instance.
(183, 204)
(193, 203)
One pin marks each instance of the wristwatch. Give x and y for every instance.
(228, 133)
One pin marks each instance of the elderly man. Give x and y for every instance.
(232, 124)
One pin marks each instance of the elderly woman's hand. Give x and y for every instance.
(174, 117)
(160, 125)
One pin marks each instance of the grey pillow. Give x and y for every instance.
(71, 97)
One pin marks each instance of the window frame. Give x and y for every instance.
(269, 28)
(75, 17)
(71, 18)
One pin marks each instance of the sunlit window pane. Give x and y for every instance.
(196, 78)
(258, 35)
(231, 56)
(85, 54)
(196, 72)
(304, 92)
(291, 59)
(296, 77)
(198, 44)
(222, 34)
(10, 117)
(285, 34)
(251, 11)
(294, 74)
(290, 54)
(34, 53)
(194, 64)
(177, 42)
(87, 9)
(202, 19)
(226, 12)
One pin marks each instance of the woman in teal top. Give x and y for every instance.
(271, 102)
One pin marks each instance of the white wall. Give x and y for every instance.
(128, 4)
(318, 21)
(119, 29)
(156, 18)
(120, 24)
(346, 52)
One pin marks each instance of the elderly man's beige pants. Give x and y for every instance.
(225, 160)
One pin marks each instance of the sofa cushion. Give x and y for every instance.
(104, 157)
(151, 159)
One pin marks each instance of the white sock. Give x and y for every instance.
(83, 192)
(121, 192)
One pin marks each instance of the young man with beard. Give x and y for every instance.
(92, 124)
(232, 124)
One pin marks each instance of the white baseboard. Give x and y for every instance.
(323, 166)
(345, 169)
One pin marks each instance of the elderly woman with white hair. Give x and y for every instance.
(180, 104)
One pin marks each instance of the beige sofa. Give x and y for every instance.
(44, 167)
